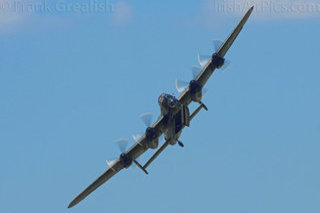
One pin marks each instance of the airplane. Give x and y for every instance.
(174, 116)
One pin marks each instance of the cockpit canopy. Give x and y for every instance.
(167, 103)
(166, 99)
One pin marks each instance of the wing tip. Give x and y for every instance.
(249, 11)
(73, 203)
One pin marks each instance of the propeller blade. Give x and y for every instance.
(181, 85)
(217, 44)
(147, 119)
(195, 71)
(136, 137)
(225, 66)
(111, 163)
(203, 59)
(122, 143)
(204, 92)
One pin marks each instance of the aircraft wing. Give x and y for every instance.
(98, 182)
(207, 71)
(232, 37)
(135, 151)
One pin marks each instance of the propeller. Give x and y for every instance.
(151, 134)
(122, 145)
(217, 44)
(146, 119)
(204, 59)
(182, 85)
(111, 163)
(136, 137)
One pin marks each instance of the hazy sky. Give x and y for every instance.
(76, 75)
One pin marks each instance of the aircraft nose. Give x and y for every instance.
(172, 103)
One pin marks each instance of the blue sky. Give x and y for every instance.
(71, 83)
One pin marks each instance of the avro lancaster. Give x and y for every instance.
(174, 117)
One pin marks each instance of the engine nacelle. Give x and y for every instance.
(125, 160)
(153, 144)
(217, 60)
(195, 90)
(152, 138)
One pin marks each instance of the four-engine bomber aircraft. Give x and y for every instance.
(174, 115)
